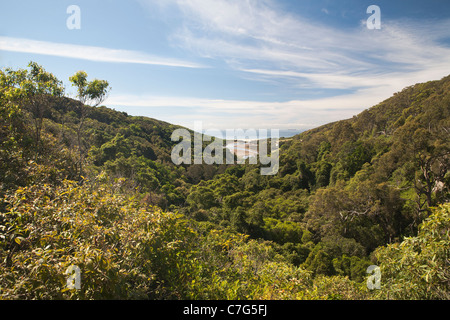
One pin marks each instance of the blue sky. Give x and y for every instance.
(234, 63)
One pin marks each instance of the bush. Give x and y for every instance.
(123, 250)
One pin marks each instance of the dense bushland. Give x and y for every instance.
(93, 187)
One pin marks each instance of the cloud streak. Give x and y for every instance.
(90, 53)
(261, 40)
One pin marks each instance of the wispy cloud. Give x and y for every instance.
(91, 53)
(259, 38)
(250, 33)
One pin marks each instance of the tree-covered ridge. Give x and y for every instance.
(90, 186)
(349, 186)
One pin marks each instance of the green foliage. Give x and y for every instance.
(418, 267)
(352, 267)
(89, 92)
(201, 197)
(282, 231)
(354, 156)
(367, 212)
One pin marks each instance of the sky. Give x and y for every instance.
(234, 64)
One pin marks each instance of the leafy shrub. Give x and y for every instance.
(123, 249)
(419, 267)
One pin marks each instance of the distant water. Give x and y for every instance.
(241, 134)
(289, 133)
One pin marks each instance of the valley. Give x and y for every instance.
(84, 185)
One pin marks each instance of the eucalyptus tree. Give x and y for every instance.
(34, 89)
(89, 93)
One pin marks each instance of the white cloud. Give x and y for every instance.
(258, 38)
(228, 114)
(87, 52)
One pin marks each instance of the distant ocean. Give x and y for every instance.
(289, 133)
(283, 133)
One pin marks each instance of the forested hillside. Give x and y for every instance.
(84, 185)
